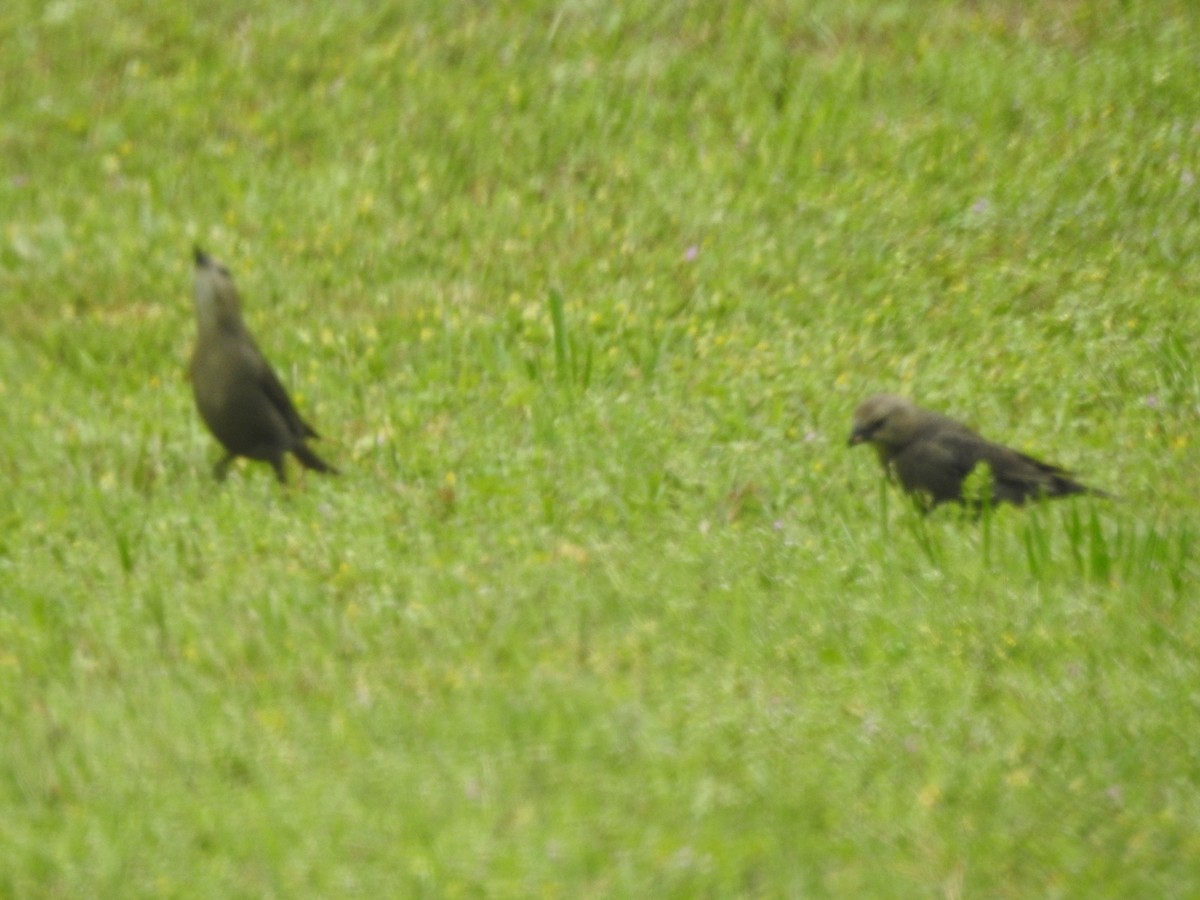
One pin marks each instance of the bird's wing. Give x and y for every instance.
(936, 463)
(277, 394)
(1044, 468)
(1016, 477)
(966, 449)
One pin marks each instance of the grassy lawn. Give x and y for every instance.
(583, 296)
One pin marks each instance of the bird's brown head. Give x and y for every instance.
(218, 307)
(884, 420)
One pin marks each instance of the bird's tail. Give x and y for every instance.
(310, 460)
(1063, 486)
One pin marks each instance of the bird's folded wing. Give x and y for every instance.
(934, 466)
(279, 398)
(950, 450)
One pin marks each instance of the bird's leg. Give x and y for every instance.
(221, 469)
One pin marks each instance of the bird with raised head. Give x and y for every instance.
(238, 394)
(931, 456)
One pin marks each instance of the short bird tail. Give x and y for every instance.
(310, 460)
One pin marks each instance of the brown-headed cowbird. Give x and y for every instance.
(931, 455)
(237, 392)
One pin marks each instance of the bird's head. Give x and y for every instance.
(884, 420)
(218, 306)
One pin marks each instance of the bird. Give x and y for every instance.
(931, 456)
(238, 394)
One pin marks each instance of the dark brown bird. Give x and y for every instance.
(239, 396)
(931, 455)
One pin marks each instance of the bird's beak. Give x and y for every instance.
(857, 436)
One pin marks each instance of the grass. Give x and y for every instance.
(583, 297)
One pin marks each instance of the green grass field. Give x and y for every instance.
(582, 296)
